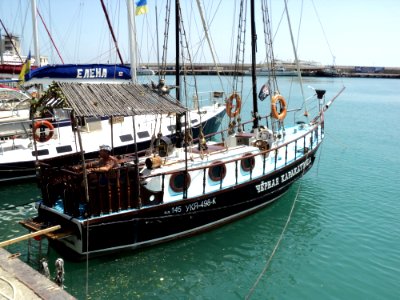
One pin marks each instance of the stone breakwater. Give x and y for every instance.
(306, 70)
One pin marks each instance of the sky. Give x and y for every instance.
(343, 32)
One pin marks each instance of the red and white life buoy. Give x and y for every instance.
(283, 111)
(43, 131)
(229, 105)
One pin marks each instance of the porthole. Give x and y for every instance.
(177, 183)
(247, 162)
(217, 172)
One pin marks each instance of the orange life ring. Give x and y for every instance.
(282, 114)
(43, 136)
(230, 106)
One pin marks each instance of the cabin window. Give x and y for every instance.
(218, 94)
(62, 114)
(217, 172)
(247, 162)
(126, 137)
(63, 149)
(177, 183)
(194, 121)
(40, 152)
(143, 134)
(92, 119)
(171, 128)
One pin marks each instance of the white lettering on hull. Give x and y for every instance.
(191, 207)
(266, 185)
(91, 73)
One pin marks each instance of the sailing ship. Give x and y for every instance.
(177, 187)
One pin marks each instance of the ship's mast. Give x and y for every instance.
(132, 39)
(253, 63)
(35, 34)
(178, 142)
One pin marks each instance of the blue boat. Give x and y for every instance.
(79, 72)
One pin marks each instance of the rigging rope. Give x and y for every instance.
(111, 31)
(268, 40)
(296, 58)
(50, 36)
(165, 45)
(240, 46)
(210, 44)
(323, 31)
(185, 45)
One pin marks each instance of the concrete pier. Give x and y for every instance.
(306, 70)
(20, 282)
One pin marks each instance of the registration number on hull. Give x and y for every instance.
(191, 207)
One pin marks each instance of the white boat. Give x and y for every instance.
(278, 71)
(175, 189)
(25, 138)
(11, 59)
(45, 131)
(145, 71)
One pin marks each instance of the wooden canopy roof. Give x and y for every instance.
(117, 100)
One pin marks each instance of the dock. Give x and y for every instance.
(310, 70)
(19, 281)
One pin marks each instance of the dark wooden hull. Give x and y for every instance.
(133, 229)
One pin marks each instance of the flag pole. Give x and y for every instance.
(35, 35)
(132, 39)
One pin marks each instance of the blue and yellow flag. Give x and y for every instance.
(141, 7)
(26, 68)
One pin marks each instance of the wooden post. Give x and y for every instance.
(29, 235)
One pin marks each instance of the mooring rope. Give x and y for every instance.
(251, 291)
(275, 248)
(279, 240)
(12, 287)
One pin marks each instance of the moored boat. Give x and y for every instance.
(179, 186)
(47, 132)
(43, 130)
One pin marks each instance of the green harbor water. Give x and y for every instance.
(342, 241)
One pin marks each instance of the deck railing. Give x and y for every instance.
(300, 144)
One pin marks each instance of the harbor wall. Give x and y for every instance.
(306, 69)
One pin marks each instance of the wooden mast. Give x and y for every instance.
(253, 63)
(178, 142)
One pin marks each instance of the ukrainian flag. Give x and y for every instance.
(141, 7)
(26, 68)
